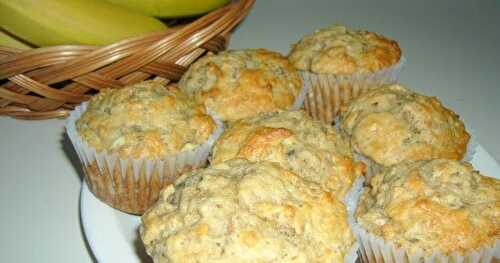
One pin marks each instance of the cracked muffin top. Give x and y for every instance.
(438, 204)
(242, 83)
(146, 120)
(240, 211)
(309, 148)
(391, 124)
(338, 50)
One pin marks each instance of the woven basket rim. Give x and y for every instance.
(48, 82)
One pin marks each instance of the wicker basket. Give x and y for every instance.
(48, 82)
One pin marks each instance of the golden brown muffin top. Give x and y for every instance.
(239, 211)
(338, 50)
(242, 83)
(146, 120)
(391, 124)
(439, 204)
(309, 148)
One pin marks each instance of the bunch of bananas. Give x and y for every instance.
(26, 23)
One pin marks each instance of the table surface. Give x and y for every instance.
(451, 50)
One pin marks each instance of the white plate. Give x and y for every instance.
(113, 235)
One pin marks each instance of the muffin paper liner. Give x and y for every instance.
(299, 100)
(329, 93)
(352, 255)
(132, 185)
(350, 201)
(373, 248)
(352, 197)
(471, 146)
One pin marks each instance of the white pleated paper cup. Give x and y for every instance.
(132, 185)
(329, 93)
(299, 100)
(352, 256)
(375, 249)
(350, 201)
(471, 145)
(352, 197)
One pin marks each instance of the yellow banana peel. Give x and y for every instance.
(171, 8)
(57, 22)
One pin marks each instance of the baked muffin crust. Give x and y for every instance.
(391, 124)
(439, 204)
(241, 83)
(240, 211)
(338, 50)
(146, 120)
(309, 148)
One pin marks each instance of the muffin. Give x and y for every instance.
(309, 148)
(392, 124)
(338, 64)
(239, 84)
(240, 211)
(439, 209)
(135, 140)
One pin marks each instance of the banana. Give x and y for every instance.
(6, 40)
(171, 8)
(58, 22)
